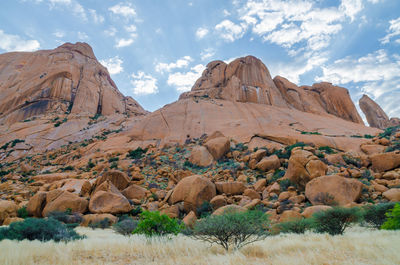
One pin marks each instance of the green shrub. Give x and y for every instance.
(375, 215)
(285, 184)
(233, 229)
(126, 226)
(22, 212)
(277, 175)
(137, 153)
(297, 226)
(205, 209)
(326, 149)
(393, 218)
(66, 217)
(39, 229)
(156, 224)
(334, 221)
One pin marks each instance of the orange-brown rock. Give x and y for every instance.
(171, 211)
(218, 147)
(371, 149)
(375, 115)
(252, 194)
(289, 215)
(193, 191)
(10, 220)
(392, 194)
(7, 209)
(81, 187)
(304, 166)
(218, 202)
(200, 156)
(231, 188)
(333, 190)
(96, 218)
(134, 192)
(190, 219)
(269, 163)
(63, 200)
(108, 199)
(232, 208)
(36, 204)
(118, 178)
(309, 211)
(386, 161)
(66, 78)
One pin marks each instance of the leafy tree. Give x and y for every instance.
(334, 221)
(233, 229)
(375, 215)
(393, 221)
(156, 224)
(298, 226)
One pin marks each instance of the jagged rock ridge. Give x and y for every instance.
(375, 115)
(66, 79)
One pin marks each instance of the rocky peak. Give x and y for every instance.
(247, 79)
(375, 115)
(68, 79)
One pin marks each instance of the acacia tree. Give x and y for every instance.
(233, 229)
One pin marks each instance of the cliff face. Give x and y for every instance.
(375, 115)
(67, 79)
(247, 79)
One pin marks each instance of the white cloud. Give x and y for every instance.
(201, 33)
(59, 34)
(113, 65)
(144, 84)
(376, 73)
(125, 10)
(184, 81)
(124, 42)
(97, 18)
(110, 32)
(82, 35)
(351, 7)
(167, 67)
(226, 13)
(130, 28)
(393, 31)
(11, 43)
(77, 9)
(207, 54)
(229, 30)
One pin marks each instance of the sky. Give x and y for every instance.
(156, 49)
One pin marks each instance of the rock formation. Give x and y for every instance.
(66, 79)
(247, 79)
(375, 115)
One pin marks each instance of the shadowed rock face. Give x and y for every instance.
(66, 79)
(375, 115)
(247, 79)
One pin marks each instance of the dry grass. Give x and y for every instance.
(357, 246)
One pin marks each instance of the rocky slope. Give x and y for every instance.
(239, 139)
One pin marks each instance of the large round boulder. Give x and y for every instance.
(231, 188)
(108, 199)
(36, 204)
(386, 161)
(332, 190)
(7, 209)
(63, 200)
(134, 192)
(118, 178)
(218, 147)
(200, 156)
(193, 191)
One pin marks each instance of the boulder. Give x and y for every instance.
(375, 115)
(304, 166)
(134, 192)
(193, 191)
(386, 161)
(231, 188)
(269, 163)
(64, 200)
(81, 187)
(333, 189)
(232, 208)
(10, 220)
(36, 204)
(119, 179)
(371, 149)
(200, 156)
(96, 218)
(7, 209)
(260, 184)
(289, 215)
(172, 211)
(190, 219)
(218, 202)
(392, 195)
(252, 194)
(108, 199)
(309, 211)
(218, 147)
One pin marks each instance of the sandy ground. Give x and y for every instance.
(357, 246)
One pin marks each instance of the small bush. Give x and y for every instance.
(393, 219)
(375, 215)
(103, 224)
(66, 217)
(39, 229)
(205, 209)
(325, 198)
(334, 221)
(285, 184)
(137, 153)
(125, 227)
(156, 224)
(233, 229)
(22, 213)
(326, 149)
(298, 226)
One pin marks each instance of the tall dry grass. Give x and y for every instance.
(357, 246)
